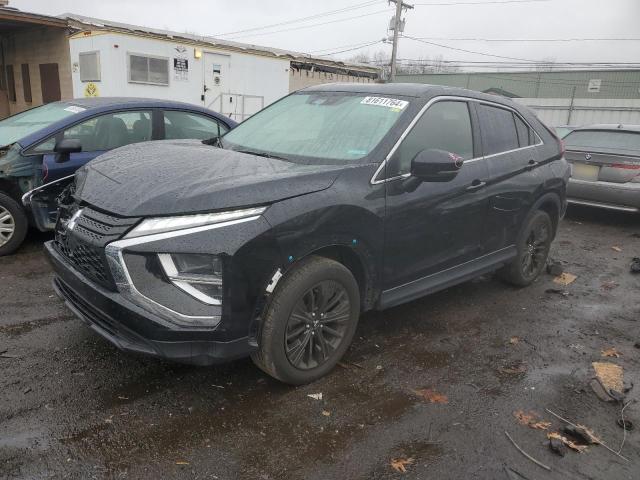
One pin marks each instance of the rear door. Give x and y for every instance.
(181, 124)
(435, 225)
(511, 156)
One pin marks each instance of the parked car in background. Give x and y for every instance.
(332, 201)
(564, 130)
(605, 164)
(33, 143)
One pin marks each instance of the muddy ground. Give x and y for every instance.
(73, 406)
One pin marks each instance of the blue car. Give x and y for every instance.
(49, 143)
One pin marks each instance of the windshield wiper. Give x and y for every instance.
(261, 154)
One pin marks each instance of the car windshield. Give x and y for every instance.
(22, 124)
(319, 127)
(606, 141)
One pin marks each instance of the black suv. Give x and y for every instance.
(335, 200)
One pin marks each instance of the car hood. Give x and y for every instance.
(179, 177)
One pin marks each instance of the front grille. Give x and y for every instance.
(82, 242)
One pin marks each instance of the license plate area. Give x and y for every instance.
(582, 171)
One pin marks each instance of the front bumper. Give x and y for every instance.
(133, 329)
(616, 196)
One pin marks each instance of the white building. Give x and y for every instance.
(46, 58)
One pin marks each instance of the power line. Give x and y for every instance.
(471, 39)
(352, 49)
(492, 2)
(378, 12)
(469, 51)
(341, 46)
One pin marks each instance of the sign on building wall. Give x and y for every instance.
(594, 85)
(91, 90)
(181, 65)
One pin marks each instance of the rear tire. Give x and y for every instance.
(13, 225)
(310, 321)
(534, 243)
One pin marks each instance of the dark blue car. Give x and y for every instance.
(49, 143)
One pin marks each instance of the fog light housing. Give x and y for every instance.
(198, 275)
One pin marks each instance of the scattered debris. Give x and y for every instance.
(431, 395)
(531, 420)
(572, 445)
(514, 369)
(610, 352)
(347, 365)
(636, 345)
(610, 375)
(616, 249)
(557, 446)
(514, 340)
(26, 390)
(565, 279)
(635, 265)
(600, 391)
(326, 413)
(625, 424)
(554, 268)
(540, 464)
(514, 474)
(120, 397)
(400, 464)
(581, 433)
(315, 396)
(182, 462)
(558, 291)
(600, 441)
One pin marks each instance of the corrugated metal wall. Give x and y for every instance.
(549, 93)
(614, 84)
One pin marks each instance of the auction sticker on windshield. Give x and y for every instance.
(392, 103)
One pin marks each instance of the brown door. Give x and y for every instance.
(50, 82)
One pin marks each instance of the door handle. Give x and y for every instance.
(476, 184)
(532, 164)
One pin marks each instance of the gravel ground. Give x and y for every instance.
(73, 406)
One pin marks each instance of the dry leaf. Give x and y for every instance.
(431, 396)
(610, 352)
(567, 442)
(589, 434)
(400, 464)
(565, 279)
(610, 375)
(617, 249)
(531, 420)
(326, 413)
(514, 340)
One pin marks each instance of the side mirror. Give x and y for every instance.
(433, 165)
(65, 147)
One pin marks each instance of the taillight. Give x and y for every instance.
(626, 166)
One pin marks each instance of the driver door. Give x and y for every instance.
(434, 226)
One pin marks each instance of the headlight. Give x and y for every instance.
(151, 226)
(198, 275)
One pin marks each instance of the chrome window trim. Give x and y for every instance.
(375, 181)
(126, 287)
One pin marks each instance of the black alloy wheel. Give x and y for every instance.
(317, 325)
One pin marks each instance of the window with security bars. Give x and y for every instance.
(145, 69)
(89, 66)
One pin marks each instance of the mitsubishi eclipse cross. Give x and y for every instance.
(272, 240)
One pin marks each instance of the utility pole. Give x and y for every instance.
(398, 26)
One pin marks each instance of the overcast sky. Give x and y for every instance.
(537, 19)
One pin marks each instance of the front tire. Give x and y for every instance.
(310, 322)
(534, 243)
(13, 225)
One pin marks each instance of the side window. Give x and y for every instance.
(179, 125)
(108, 131)
(498, 129)
(524, 133)
(445, 126)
